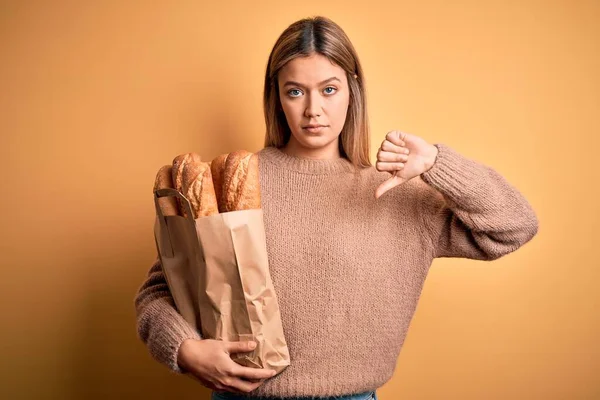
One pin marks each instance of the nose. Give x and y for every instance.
(314, 107)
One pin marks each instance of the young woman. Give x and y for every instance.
(349, 244)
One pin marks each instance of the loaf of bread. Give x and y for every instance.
(167, 204)
(193, 179)
(236, 181)
(179, 164)
(217, 167)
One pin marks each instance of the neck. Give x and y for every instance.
(329, 152)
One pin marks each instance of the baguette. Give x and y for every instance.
(217, 167)
(199, 190)
(167, 204)
(240, 182)
(179, 166)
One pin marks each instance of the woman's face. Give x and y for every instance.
(314, 91)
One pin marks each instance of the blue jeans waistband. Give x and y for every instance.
(234, 396)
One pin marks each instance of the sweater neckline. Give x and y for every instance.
(306, 165)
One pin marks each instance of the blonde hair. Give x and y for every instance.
(322, 36)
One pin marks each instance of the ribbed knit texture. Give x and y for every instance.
(348, 269)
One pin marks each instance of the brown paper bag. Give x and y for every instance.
(217, 270)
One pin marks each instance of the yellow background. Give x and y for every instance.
(97, 95)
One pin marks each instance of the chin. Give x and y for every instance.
(312, 138)
(315, 142)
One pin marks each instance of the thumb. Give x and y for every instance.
(387, 185)
(240, 347)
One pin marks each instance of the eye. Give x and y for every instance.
(293, 90)
(298, 90)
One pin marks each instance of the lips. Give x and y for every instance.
(313, 126)
(315, 129)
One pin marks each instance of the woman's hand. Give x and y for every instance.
(208, 361)
(404, 156)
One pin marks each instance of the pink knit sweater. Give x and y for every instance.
(347, 268)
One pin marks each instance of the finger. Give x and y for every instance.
(388, 166)
(256, 380)
(393, 148)
(387, 185)
(239, 347)
(392, 157)
(396, 137)
(238, 384)
(252, 373)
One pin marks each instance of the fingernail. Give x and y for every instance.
(252, 345)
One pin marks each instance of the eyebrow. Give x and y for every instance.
(321, 83)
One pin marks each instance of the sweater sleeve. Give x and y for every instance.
(159, 325)
(471, 211)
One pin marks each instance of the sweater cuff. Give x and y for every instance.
(188, 334)
(458, 178)
(171, 332)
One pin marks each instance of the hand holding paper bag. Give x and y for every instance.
(209, 361)
(216, 263)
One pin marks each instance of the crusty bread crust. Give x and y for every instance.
(233, 177)
(229, 182)
(240, 183)
(183, 173)
(177, 171)
(208, 203)
(250, 193)
(163, 180)
(216, 168)
(201, 192)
